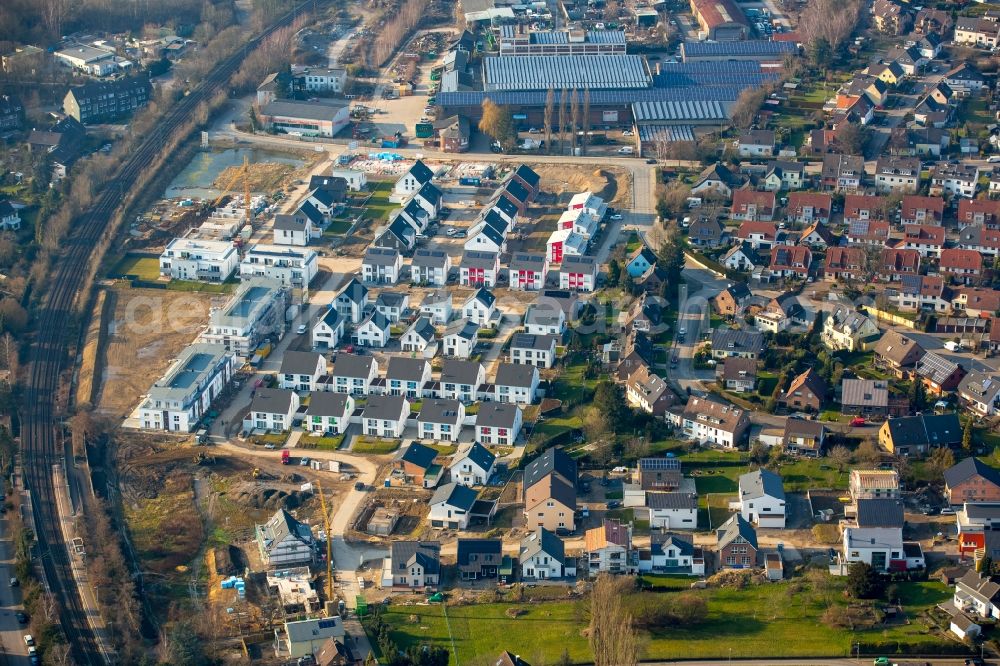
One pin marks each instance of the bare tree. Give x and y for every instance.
(574, 113)
(831, 21)
(547, 119)
(746, 106)
(612, 637)
(562, 119)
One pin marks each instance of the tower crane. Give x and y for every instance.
(241, 174)
(329, 549)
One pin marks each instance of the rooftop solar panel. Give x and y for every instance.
(659, 463)
(747, 48)
(597, 97)
(505, 73)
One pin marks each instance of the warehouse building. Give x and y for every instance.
(760, 50)
(517, 40)
(306, 118)
(507, 73)
(720, 20)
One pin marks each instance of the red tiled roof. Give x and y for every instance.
(841, 258)
(769, 229)
(980, 299)
(854, 203)
(719, 12)
(926, 234)
(795, 258)
(741, 198)
(954, 259)
(817, 200)
(896, 260)
(913, 203)
(969, 209)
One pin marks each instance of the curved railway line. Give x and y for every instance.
(42, 445)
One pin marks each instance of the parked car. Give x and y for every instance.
(301, 329)
(857, 421)
(614, 504)
(29, 640)
(270, 446)
(616, 216)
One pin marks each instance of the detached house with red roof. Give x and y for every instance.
(922, 210)
(921, 292)
(844, 263)
(983, 240)
(897, 262)
(976, 302)
(868, 232)
(964, 265)
(808, 207)
(984, 212)
(926, 239)
(863, 207)
(790, 261)
(753, 206)
(760, 235)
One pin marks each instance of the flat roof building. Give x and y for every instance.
(178, 400)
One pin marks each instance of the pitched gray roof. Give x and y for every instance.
(727, 339)
(761, 483)
(480, 455)
(460, 372)
(383, 407)
(282, 525)
(439, 411)
(544, 541)
(497, 414)
(419, 455)
(461, 497)
(866, 392)
(423, 327)
(966, 469)
(734, 527)
(300, 362)
(352, 365)
(425, 553)
(272, 401)
(515, 374)
(325, 403)
(553, 460)
(659, 500)
(405, 369)
(381, 256)
(430, 258)
(879, 512)
(462, 328)
(353, 291)
(477, 259)
(531, 341)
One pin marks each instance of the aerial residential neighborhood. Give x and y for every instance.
(468, 332)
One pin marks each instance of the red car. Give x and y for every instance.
(857, 421)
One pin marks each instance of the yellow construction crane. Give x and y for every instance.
(243, 173)
(329, 549)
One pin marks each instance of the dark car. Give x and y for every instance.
(614, 504)
(651, 160)
(21, 618)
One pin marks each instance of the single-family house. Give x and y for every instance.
(916, 435)
(301, 370)
(284, 541)
(536, 350)
(542, 556)
(437, 306)
(461, 380)
(845, 329)
(353, 374)
(373, 331)
(328, 413)
(440, 419)
(608, 549)
(415, 466)
(736, 543)
(479, 269)
(762, 498)
(474, 466)
(498, 423)
(460, 338)
(412, 564)
(419, 336)
(385, 416)
(971, 481)
(272, 409)
(517, 383)
(806, 392)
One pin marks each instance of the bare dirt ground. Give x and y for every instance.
(145, 332)
(611, 184)
(263, 177)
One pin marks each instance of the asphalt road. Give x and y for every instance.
(12, 648)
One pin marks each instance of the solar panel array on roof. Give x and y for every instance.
(550, 37)
(666, 133)
(606, 36)
(747, 48)
(544, 72)
(910, 283)
(691, 110)
(597, 97)
(659, 463)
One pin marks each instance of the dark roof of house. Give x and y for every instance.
(925, 430)
(384, 407)
(430, 193)
(744, 341)
(419, 455)
(352, 365)
(332, 651)
(290, 222)
(497, 414)
(490, 231)
(421, 172)
(391, 299)
(516, 190)
(425, 553)
(506, 206)
(660, 500)
(478, 259)
(455, 495)
(544, 541)
(468, 547)
(879, 512)
(300, 363)
(480, 455)
(734, 527)
(515, 374)
(761, 483)
(528, 175)
(968, 468)
(532, 341)
(113, 87)
(381, 256)
(272, 401)
(326, 403)
(424, 328)
(484, 296)
(353, 291)
(461, 372)
(399, 229)
(431, 258)
(440, 410)
(553, 460)
(310, 211)
(405, 369)
(463, 328)
(377, 319)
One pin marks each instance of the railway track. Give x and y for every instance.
(42, 445)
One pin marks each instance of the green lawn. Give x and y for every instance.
(803, 474)
(321, 443)
(773, 620)
(378, 206)
(145, 268)
(378, 447)
(337, 227)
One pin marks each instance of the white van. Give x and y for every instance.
(626, 150)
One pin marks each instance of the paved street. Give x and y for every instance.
(12, 649)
